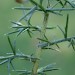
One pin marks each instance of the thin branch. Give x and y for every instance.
(26, 57)
(56, 42)
(47, 9)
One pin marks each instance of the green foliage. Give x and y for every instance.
(44, 42)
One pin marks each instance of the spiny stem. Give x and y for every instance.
(39, 51)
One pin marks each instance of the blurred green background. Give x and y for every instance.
(65, 60)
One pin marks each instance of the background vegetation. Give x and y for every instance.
(65, 59)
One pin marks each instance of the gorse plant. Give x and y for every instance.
(38, 5)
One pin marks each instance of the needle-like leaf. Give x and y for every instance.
(71, 3)
(59, 9)
(66, 27)
(49, 67)
(4, 61)
(20, 31)
(61, 29)
(31, 11)
(29, 33)
(12, 47)
(60, 2)
(8, 66)
(72, 43)
(43, 40)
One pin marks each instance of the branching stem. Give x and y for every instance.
(39, 51)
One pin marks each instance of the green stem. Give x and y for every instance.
(39, 51)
